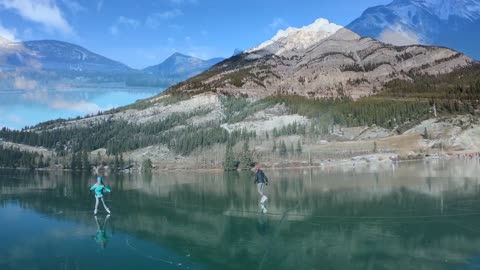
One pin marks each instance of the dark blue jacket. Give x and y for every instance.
(260, 177)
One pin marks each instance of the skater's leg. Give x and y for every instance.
(105, 206)
(98, 224)
(260, 189)
(96, 205)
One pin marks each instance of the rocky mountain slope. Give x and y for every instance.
(341, 64)
(451, 23)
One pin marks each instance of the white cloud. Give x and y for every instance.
(100, 5)
(6, 33)
(277, 23)
(123, 22)
(175, 27)
(59, 102)
(154, 20)
(398, 36)
(129, 22)
(73, 6)
(44, 12)
(77, 106)
(16, 119)
(24, 83)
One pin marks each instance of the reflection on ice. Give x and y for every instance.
(419, 216)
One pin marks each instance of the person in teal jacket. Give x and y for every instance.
(99, 188)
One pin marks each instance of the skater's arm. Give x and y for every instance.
(93, 187)
(107, 189)
(265, 177)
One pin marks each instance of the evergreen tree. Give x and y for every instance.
(229, 163)
(147, 165)
(425, 134)
(40, 163)
(121, 162)
(283, 149)
(375, 147)
(292, 149)
(299, 148)
(274, 150)
(85, 162)
(116, 163)
(246, 159)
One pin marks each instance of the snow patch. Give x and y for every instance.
(298, 38)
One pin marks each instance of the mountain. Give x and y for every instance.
(237, 51)
(292, 39)
(340, 64)
(181, 66)
(47, 62)
(52, 55)
(450, 23)
(372, 100)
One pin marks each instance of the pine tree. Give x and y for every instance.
(85, 162)
(375, 147)
(299, 148)
(147, 165)
(292, 149)
(116, 164)
(274, 150)
(246, 159)
(121, 162)
(229, 162)
(425, 134)
(283, 149)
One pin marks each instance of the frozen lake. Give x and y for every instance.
(423, 215)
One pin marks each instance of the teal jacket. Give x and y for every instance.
(99, 188)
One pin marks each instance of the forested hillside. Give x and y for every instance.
(400, 105)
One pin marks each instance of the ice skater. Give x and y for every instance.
(99, 187)
(261, 181)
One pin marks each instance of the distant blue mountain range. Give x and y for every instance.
(48, 60)
(181, 65)
(450, 23)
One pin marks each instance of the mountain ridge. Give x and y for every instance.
(46, 62)
(58, 55)
(183, 65)
(342, 64)
(453, 24)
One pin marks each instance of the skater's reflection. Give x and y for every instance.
(261, 181)
(101, 237)
(262, 224)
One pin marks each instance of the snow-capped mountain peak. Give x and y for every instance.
(298, 38)
(449, 23)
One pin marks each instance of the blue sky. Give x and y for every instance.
(144, 32)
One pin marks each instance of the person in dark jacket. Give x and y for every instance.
(261, 180)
